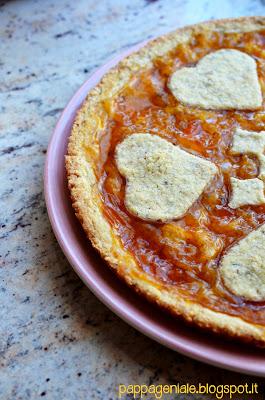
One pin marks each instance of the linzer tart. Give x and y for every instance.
(166, 170)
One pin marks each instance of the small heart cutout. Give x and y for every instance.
(223, 80)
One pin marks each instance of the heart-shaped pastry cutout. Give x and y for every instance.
(243, 267)
(223, 80)
(162, 181)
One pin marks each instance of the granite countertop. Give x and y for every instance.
(57, 340)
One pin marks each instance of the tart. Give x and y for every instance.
(166, 171)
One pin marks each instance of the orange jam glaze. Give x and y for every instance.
(185, 253)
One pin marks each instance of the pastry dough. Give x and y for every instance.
(243, 268)
(222, 80)
(246, 192)
(163, 181)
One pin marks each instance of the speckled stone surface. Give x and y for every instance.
(57, 341)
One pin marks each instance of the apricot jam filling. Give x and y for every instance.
(185, 253)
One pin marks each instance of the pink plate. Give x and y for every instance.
(103, 283)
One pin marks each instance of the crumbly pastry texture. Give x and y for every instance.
(163, 181)
(246, 192)
(248, 142)
(82, 166)
(222, 80)
(243, 269)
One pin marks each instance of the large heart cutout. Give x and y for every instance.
(222, 80)
(162, 181)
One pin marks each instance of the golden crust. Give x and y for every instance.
(83, 153)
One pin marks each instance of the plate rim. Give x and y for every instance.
(139, 324)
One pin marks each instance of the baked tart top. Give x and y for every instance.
(166, 170)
